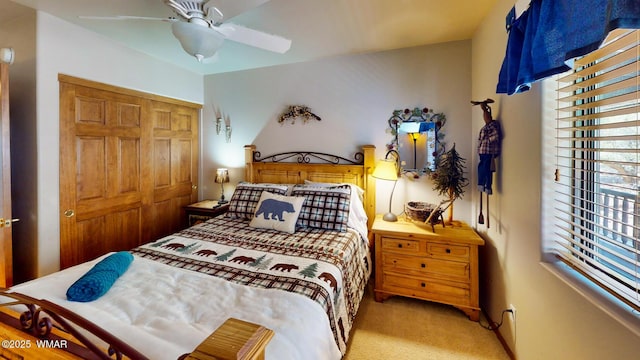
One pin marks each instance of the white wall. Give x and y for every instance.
(63, 48)
(553, 321)
(354, 95)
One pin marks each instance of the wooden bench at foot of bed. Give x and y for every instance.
(235, 339)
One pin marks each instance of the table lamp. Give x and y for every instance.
(222, 176)
(387, 169)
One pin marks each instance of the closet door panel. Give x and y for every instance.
(160, 209)
(123, 229)
(175, 134)
(90, 173)
(162, 163)
(184, 155)
(103, 171)
(92, 240)
(128, 164)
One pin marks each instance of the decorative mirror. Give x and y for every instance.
(417, 137)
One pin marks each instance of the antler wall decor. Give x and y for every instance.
(298, 111)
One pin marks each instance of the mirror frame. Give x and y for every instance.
(434, 120)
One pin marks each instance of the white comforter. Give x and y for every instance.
(165, 312)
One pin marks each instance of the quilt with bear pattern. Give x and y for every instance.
(329, 267)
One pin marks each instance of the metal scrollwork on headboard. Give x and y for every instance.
(308, 157)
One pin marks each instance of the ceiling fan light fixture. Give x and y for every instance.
(197, 40)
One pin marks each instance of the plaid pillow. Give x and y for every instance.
(324, 208)
(246, 196)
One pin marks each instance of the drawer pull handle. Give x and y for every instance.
(423, 284)
(448, 251)
(423, 265)
(400, 246)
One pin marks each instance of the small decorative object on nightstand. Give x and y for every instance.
(442, 266)
(222, 176)
(204, 210)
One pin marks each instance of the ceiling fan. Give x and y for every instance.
(201, 32)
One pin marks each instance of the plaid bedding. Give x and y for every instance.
(329, 267)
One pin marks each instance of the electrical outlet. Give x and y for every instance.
(512, 308)
(512, 311)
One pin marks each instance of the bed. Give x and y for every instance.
(303, 281)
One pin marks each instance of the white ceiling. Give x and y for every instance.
(317, 28)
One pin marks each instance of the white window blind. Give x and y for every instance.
(597, 207)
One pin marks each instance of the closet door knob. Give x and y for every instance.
(69, 213)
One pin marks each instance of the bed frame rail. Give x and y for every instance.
(42, 316)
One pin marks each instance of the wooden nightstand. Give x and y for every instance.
(204, 210)
(414, 261)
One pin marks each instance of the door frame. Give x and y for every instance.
(6, 237)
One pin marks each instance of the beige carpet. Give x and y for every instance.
(402, 328)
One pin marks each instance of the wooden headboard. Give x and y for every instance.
(298, 166)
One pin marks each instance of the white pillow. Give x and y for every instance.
(354, 188)
(277, 212)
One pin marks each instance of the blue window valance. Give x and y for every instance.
(550, 33)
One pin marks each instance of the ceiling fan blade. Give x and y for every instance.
(127, 17)
(233, 8)
(254, 38)
(213, 13)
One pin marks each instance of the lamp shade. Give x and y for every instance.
(222, 175)
(386, 170)
(197, 40)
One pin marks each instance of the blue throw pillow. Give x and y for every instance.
(99, 279)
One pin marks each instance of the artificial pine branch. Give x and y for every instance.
(449, 176)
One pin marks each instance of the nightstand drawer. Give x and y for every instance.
(414, 265)
(448, 251)
(401, 245)
(422, 287)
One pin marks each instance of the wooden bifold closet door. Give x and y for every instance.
(128, 164)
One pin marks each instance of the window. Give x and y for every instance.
(596, 205)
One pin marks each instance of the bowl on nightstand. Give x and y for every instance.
(418, 211)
